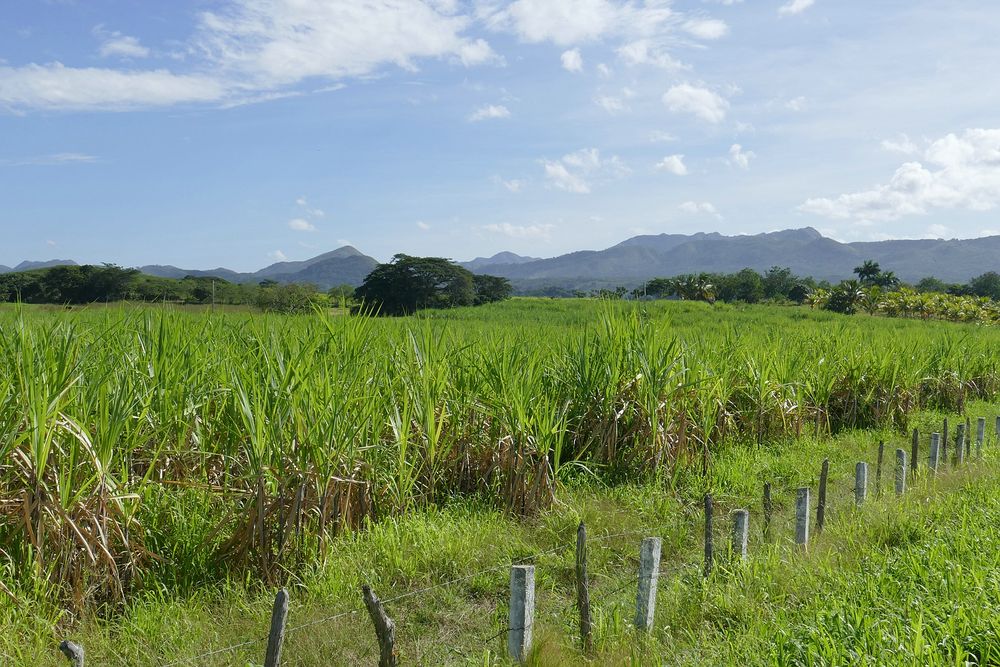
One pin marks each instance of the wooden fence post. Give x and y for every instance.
(649, 572)
(824, 474)
(914, 452)
(709, 548)
(980, 436)
(802, 517)
(935, 452)
(878, 469)
(998, 428)
(860, 482)
(522, 611)
(583, 589)
(943, 453)
(276, 637)
(73, 652)
(769, 507)
(900, 471)
(968, 438)
(741, 532)
(959, 444)
(385, 629)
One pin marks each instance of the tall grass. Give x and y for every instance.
(291, 430)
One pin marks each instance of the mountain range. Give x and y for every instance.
(805, 251)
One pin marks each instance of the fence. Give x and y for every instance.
(521, 612)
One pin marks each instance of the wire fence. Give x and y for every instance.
(779, 521)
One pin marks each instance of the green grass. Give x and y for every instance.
(161, 472)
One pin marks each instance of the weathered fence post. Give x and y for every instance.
(276, 637)
(998, 427)
(385, 629)
(709, 548)
(769, 508)
(741, 532)
(900, 471)
(968, 438)
(959, 444)
(878, 469)
(73, 652)
(914, 452)
(583, 589)
(980, 436)
(522, 611)
(824, 474)
(802, 517)
(943, 454)
(860, 482)
(935, 452)
(649, 572)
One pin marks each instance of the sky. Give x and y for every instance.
(236, 133)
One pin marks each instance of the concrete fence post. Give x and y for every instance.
(741, 532)
(935, 452)
(522, 612)
(959, 444)
(73, 652)
(980, 436)
(649, 572)
(860, 483)
(802, 517)
(900, 472)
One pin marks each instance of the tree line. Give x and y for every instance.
(402, 286)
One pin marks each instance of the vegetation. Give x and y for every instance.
(157, 478)
(408, 284)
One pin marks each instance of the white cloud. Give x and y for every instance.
(301, 225)
(569, 22)
(793, 7)
(610, 103)
(604, 71)
(796, 104)
(251, 50)
(962, 172)
(50, 243)
(572, 61)
(673, 164)
(521, 231)
(646, 52)
(423, 226)
(740, 157)
(699, 208)
(902, 145)
(706, 28)
(659, 136)
(52, 160)
(514, 185)
(55, 86)
(281, 42)
(278, 256)
(576, 172)
(118, 45)
(702, 102)
(489, 111)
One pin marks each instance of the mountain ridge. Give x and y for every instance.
(637, 259)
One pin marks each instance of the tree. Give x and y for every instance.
(868, 272)
(778, 283)
(844, 297)
(491, 288)
(987, 284)
(745, 286)
(293, 298)
(932, 284)
(407, 284)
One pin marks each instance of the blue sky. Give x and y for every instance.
(236, 132)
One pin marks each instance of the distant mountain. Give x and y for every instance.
(28, 266)
(481, 264)
(346, 265)
(4, 269)
(805, 251)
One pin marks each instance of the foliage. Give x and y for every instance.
(408, 284)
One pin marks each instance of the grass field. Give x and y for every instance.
(164, 471)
